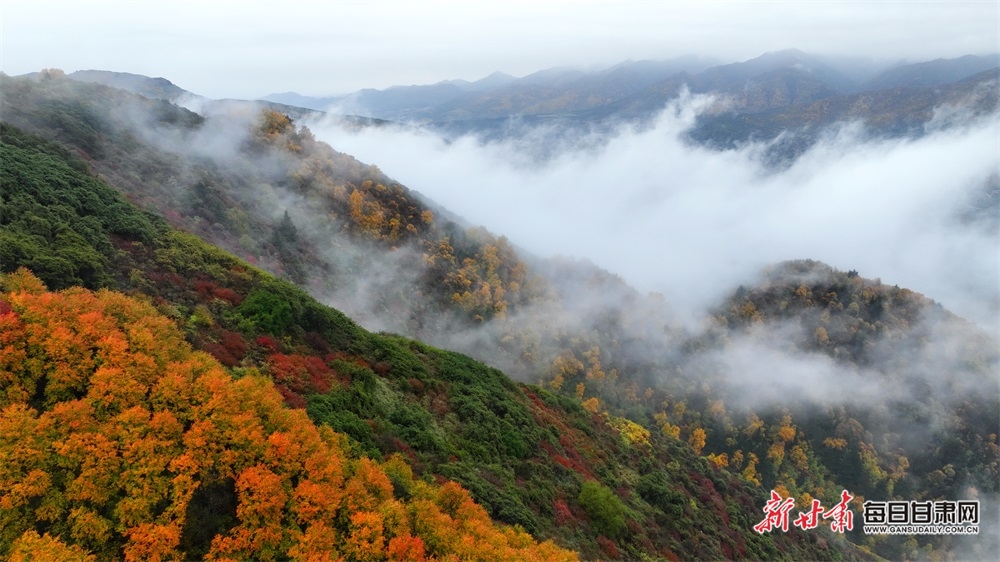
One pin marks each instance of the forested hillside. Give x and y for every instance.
(119, 441)
(641, 438)
(114, 373)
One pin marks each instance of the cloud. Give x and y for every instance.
(693, 223)
(939, 360)
(764, 367)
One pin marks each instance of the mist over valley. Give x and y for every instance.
(595, 312)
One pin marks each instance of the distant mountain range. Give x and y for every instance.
(787, 91)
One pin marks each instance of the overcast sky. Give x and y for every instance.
(250, 49)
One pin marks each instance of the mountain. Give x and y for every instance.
(735, 75)
(639, 437)
(298, 100)
(197, 454)
(496, 80)
(897, 112)
(391, 102)
(153, 88)
(406, 103)
(291, 104)
(785, 90)
(931, 73)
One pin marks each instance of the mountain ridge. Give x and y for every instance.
(837, 77)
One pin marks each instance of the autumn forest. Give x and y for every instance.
(223, 339)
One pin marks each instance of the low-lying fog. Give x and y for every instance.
(693, 223)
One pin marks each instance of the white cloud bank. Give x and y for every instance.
(693, 223)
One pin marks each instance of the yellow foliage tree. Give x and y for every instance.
(799, 458)
(776, 453)
(837, 443)
(368, 216)
(32, 547)
(593, 357)
(697, 440)
(821, 336)
(786, 432)
(671, 430)
(754, 424)
(720, 461)
(630, 431)
(750, 471)
(737, 459)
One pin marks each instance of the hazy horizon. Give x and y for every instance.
(223, 50)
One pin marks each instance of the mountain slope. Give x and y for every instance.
(893, 393)
(590, 339)
(931, 73)
(154, 88)
(527, 455)
(118, 439)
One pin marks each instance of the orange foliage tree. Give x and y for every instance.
(117, 441)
